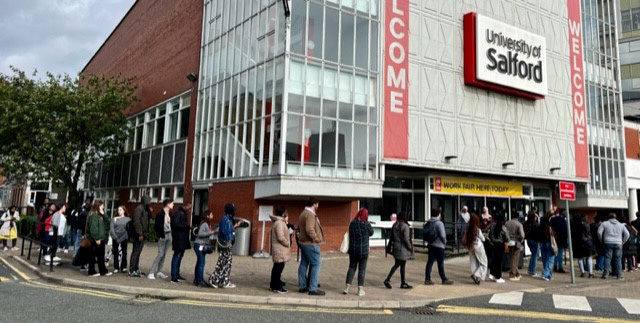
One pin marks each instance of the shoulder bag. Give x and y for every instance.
(554, 245)
(344, 246)
(390, 244)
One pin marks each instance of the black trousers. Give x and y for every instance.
(435, 254)
(118, 263)
(276, 275)
(97, 254)
(399, 263)
(13, 242)
(359, 262)
(496, 260)
(134, 264)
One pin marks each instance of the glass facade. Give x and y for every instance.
(313, 115)
(604, 104)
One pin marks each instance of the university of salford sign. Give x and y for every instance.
(503, 58)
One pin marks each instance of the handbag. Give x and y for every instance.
(390, 244)
(207, 249)
(85, 243)
(554, 245)
(344, 246)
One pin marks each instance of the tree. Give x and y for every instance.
(50, 129)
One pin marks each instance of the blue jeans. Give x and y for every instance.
(200, 258)
(176, 260)
(533, 246)
(435, 254)
(65, 241)
(547, 259)
(600, 262)
(612, 258)
(559, 259)
(310, 258)
(76, 234)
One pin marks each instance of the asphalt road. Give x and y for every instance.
(24, 299)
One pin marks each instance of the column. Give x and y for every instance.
(633, 203)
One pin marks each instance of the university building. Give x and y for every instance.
(400, 105)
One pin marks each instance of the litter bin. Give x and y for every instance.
(243, 238)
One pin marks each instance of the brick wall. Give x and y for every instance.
(632, 143)
(334, 215)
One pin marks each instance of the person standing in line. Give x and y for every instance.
(181, 243)
(546, 250)
(597, 243)
(98, 234)
(141, 224)
(437, 240)
(57, 230)
(43, 227)
(81, 224)
(486, 219)
(201, 246)
(613, 234)
(463, 221)
(402, 250)
(359, 232)
(582, 244)
(636, 224)
(629, 250)
(163, 232)
(226, 236)
(498, 236)
(559, 225)
(119, 237)
(65, 240)
(9, 229)
(516, 243)
(532, 236)
(473, 240)
(311, 236)
(280, 248)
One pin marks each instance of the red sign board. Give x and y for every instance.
(567, 191)
(576, 69)
(396, 80)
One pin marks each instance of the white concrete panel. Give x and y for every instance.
(567, 302)
(511, 298)
(632, 306)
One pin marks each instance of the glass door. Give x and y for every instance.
(200, 205)
(520, 208)
(473, 203)
(498, 206)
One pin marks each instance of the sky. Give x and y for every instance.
(58, 36)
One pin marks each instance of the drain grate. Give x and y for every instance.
(425, 311)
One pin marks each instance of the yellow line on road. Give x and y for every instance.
(14, 277)
(2, 279)
(21, 274)
(77, 290)
(281, 308)
(527, 314)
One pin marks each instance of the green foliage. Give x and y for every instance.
(26, 225)
(51, 128)
(151, 233)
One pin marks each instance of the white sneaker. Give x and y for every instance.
(96, 275)
(55, 259)
(66, 250)
(115, 271)
(361, 292)
(108, 274)
(15, 248)
(229, 285)
(47, 258)
(346, 290)
(500, 281)
(161, 275)
(6, 249)
(491, 278)
(151, 276)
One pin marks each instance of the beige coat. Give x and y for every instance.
(280, 241)
(310, 229)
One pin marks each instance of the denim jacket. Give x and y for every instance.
(225, 230)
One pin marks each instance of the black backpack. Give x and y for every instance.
(131, 230)
(430, 232)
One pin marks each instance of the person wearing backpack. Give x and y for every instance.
(120, 237)
(402, 249)
(436, 238)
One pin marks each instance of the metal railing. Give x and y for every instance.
(51, 246)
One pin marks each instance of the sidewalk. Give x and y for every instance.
(252, 279)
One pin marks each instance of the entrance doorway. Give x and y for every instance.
(200, 205)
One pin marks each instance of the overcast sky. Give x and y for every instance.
(58, 36)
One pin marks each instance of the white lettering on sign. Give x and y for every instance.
(577, 89)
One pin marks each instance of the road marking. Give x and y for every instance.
(280, 308)
(14, 277)
(36, 284)
(568, 302)
(3, 279)
(478, 311)
(512, 298)
(21, 274)
(632, 306)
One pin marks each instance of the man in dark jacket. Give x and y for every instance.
(636, 224)
(180, 233)
(559, 225)
(141, 225)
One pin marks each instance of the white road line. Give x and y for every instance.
(632, 306)
(577, 303)
(511, 298)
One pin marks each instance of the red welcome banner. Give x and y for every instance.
(396, 67)
(577, 89)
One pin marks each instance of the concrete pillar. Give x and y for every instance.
(633, 203)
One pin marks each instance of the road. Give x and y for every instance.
(51, 302)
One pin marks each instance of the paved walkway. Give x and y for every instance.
(252, 279)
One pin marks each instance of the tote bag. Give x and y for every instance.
(344, 246)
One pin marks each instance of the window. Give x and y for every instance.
(160, 126)
(166, 193)
(150, 127)
(134, 194)
(178, 194)
(139, 132)
(154, 193)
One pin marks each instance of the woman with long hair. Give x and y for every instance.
(201, 246)
(532, 236)
(98, 234)
(226, 235)
(474, 242)
(280, 248)
(498, 236)
(402, 249)
(119, 237)
(359, 232)
(546, 251)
